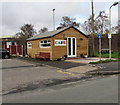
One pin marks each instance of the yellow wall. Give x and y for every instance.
(60, 51)
(36, 48)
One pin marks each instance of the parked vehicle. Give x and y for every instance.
(5, 54)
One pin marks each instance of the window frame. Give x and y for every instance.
(29, 44)
(43, 42)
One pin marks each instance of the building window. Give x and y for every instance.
(29, 45)
(45, 43)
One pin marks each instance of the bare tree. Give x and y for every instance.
(87, 25)
(100, 25)
(116, 29)
(44, 29)
(67, 21)
(95, 25)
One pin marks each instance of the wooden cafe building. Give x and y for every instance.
(66, 42)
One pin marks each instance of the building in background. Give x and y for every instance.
(10, 43)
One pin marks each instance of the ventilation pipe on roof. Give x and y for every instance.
(58, 28)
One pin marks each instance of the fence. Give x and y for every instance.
(105, 43)
(18, 50)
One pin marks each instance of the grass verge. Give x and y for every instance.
(105, 61)
(113, 55)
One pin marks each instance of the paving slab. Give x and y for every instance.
(87, 60)
(81, 69)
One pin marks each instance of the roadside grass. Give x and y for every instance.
(13, 56)
(113, 55)
(105, 61)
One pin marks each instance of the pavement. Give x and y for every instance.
(102, 68)
(107, 68)
(87, 60)
(22, 74)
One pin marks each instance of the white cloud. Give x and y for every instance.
(56, 0)
(16, 14)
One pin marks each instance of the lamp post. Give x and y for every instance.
(119, 17)
(109, 35)
(53, 19)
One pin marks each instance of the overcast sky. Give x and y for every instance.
(16, 14)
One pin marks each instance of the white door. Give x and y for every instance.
(71, 49)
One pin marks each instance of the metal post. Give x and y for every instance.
(109, 48)
(22, 50)
(100, 48)
(93, 31)
(119, 17)
(110, 33)
(16, 50)
(10, 50)
(110, 28)
(53, 20)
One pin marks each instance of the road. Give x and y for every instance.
(102, 90)
(111, 66)
(24, 75)
(18, 74)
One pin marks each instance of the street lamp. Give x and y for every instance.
(53, 19)
(109, 36)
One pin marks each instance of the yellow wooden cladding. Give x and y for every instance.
(60, 51)
(36, 48)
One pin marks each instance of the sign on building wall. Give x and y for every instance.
(60, 42)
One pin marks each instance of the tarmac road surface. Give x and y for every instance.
(104, 90)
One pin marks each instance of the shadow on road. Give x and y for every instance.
(16, 67)
(58, 64)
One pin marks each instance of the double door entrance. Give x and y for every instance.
(71, 49)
